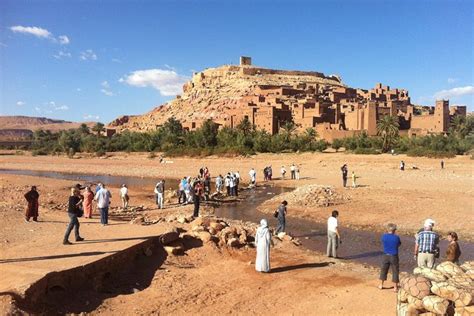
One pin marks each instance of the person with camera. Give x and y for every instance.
(74, 211)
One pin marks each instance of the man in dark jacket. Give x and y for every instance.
(32, 197)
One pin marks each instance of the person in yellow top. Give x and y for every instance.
(354, 177)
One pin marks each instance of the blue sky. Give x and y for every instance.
(97, 60)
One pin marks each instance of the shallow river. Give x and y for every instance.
(358, 245)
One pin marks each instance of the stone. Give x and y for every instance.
(169, 236)
(174, 248)
(416, 286)
(204, 236)
(139, 220)
(281, 235)
(233, 242)
(212, 231)
(197, 221)
(181, 219)
(216, 226)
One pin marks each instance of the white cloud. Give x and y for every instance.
(91, 117)
(78, 89)
(454, 92)
(88, 55)
(62, 54)
(61, 108)
(20, 103)
(107, 92)
(106, 89)
(116, 60)
(452, 80)
(167, 82)
(3, 44)
(63, 40)
(41, 33)
(33, 30)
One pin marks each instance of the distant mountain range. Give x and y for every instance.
(35, 123)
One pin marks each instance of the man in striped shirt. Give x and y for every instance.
(426, 246)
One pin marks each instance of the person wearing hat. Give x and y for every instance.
(426, 247)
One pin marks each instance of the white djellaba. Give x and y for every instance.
(263, 241)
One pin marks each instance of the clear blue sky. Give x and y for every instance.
(82, 60)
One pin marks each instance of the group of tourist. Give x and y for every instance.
(426, 250)
(425, 253)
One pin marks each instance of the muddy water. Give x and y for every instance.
(361, 246)
(109, 180)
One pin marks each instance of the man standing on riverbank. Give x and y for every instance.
(253, 177)
(426, 246)
(103, 197)
(391, 242)
(159, 191)
(281, 217)
(334, 239)
(124, 196)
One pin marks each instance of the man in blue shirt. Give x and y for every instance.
(391, 242)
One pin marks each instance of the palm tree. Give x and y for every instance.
(459, 126)
(387, 127)
(311, 133)
(98, 128)
(288, 129)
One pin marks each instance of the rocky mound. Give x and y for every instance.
(312, 195)
(210, 94)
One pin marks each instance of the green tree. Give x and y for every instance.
(245, 126)
(287, 130)
(387, 128)
(208, 132)
(84, 129)
(98, 128)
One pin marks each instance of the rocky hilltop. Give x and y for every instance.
(215, 92)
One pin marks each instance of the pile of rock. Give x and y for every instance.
(313, 195)
(446, 290)
(223, 233)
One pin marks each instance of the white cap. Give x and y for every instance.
(429, 223)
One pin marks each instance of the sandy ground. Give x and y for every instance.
(206, 280)
(385, 194)
(209, 280)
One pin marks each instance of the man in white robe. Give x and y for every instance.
(263, 240)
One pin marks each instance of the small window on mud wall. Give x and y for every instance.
(193, 125)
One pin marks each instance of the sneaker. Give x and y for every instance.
(79, 239)
(66, 242)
